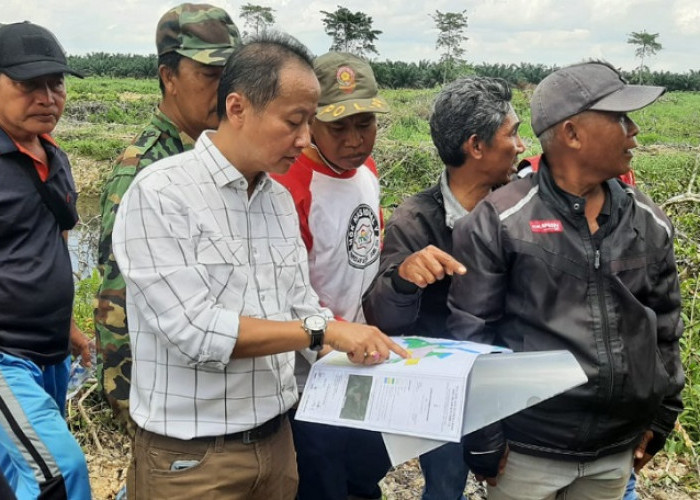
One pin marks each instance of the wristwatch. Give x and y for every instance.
(315, 326)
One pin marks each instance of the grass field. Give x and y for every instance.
(102, 115)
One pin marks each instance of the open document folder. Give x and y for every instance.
(499, 386)
(445, 390)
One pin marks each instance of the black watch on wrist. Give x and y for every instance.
(315, 326)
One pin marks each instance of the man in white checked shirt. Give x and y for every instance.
(217, 288)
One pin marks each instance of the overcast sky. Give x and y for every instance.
(500, 31)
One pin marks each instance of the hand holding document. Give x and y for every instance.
(445, 390)
(420, 396)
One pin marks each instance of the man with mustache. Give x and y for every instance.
(193, 42)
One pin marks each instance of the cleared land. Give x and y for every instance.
(103, 115)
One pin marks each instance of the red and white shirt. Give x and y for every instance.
(341, 225)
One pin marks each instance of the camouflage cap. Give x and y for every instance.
(348, 87)
(201, 32)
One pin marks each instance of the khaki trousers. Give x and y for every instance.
(535, 478)
(213, 468)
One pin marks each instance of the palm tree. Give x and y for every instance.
(646, 46)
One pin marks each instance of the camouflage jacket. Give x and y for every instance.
(158, 140)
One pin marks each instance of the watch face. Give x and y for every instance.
(315, 323)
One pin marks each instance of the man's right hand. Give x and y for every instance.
(429, 265)
(641, 457)
(364, 344)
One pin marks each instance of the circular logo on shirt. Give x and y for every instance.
(363, 237)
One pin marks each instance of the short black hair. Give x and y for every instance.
(254, 66)
(170, 60)
(468, 106)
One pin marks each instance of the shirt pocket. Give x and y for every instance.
(226, 263)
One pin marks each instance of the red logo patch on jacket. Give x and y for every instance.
(546, 226)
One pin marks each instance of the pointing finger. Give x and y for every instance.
(394, 347)
(450, 264)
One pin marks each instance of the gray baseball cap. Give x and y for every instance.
(582, 87)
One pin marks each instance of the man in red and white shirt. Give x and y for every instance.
(335, 188)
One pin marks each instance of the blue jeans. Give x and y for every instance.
(335, 462)
(630, 493)
(445, 473)
(38, 454)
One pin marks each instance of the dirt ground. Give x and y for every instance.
(405, 482)
(107, 451)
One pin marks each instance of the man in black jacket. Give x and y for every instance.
(475, 131)
(571, 258)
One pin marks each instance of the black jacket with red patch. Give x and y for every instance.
(538, 280)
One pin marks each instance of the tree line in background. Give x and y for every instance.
(354, 32)
(391, 74)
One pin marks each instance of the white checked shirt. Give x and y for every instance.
(196, 254)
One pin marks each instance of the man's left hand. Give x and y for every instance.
(80, 345)
(641, 457)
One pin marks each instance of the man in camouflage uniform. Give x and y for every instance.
(193, 43)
